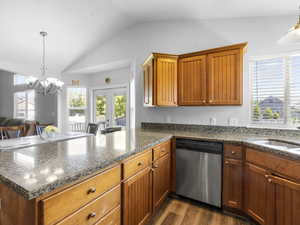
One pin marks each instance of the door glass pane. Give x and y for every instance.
(120, 110)
(31, 105)
(101, 107)
(20, 105)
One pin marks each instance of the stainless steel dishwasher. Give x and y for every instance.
(199, 170)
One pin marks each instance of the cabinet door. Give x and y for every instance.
(148, 83)
(233, 183)
(256, 189)
(284, 206)
(166, 81)
(161, 179)
(192, 81)
(137, 198)
(225, 77)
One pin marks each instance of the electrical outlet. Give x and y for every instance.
(212, 121)
(232, 121)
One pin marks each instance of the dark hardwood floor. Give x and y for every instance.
(177, 212)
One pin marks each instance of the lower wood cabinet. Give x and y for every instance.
(233, 183)
(284, 201)
(256, 189)
(137, 198)
(161, 180)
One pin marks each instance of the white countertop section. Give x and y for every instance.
(15, 143)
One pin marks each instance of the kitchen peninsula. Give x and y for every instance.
(91, 180)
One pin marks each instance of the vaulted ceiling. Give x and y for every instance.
(77, 26)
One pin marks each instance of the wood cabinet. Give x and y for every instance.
(160, 80)
(148, 82)
(209, 77)
(192, 80)
(232, 183)
(161, 179)
(166, 81)
(225, 77)
(137, 198)
(256, 189)
(284, 201)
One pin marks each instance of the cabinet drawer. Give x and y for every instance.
(277, 164)
(132, 166)
(95, 210)
(161, 150)
(113, 218)
(233, 151)
(66, 202)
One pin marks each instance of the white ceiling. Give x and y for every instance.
(77, 26)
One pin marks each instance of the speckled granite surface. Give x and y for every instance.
(233, 135)
(36, 170)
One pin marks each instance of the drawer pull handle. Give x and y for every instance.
(233, 152)
(91, 215)
(140, 164)
(91, 190)
(155, 166)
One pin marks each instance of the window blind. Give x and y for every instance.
(268, 91)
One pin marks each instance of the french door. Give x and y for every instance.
(111, 106)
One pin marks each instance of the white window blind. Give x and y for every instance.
(276, 90)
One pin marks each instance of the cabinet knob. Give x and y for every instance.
(203, 101)
(226, 162)
(140, 164)
(266, 176)
(91, 190)
(155, 166)
(210, 101)
(92, 215)
(270, 180)
(233, 152)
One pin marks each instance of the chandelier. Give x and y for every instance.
(293, 34)
(45, 85)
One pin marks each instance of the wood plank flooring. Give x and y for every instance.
(177, 212)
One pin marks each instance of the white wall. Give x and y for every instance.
(46, 106)
(90, 81)
(186, 36)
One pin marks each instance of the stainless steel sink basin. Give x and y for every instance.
(282, 145)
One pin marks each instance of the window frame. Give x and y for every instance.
(26, 104)
(86, 108)
(287, 75)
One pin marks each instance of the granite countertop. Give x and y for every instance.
(246, 139)
(36, 170)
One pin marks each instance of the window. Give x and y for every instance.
(19, 79)
(24, 105)
(276, 90)
(77, 108)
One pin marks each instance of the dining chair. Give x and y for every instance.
(92, 128)
(13, 131)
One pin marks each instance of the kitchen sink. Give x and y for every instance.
(282, 145)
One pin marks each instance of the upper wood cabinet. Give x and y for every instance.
(209, 77)
(160, 80)
(166, 81)
(225, 77)
(192, 81)
(148, 83)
